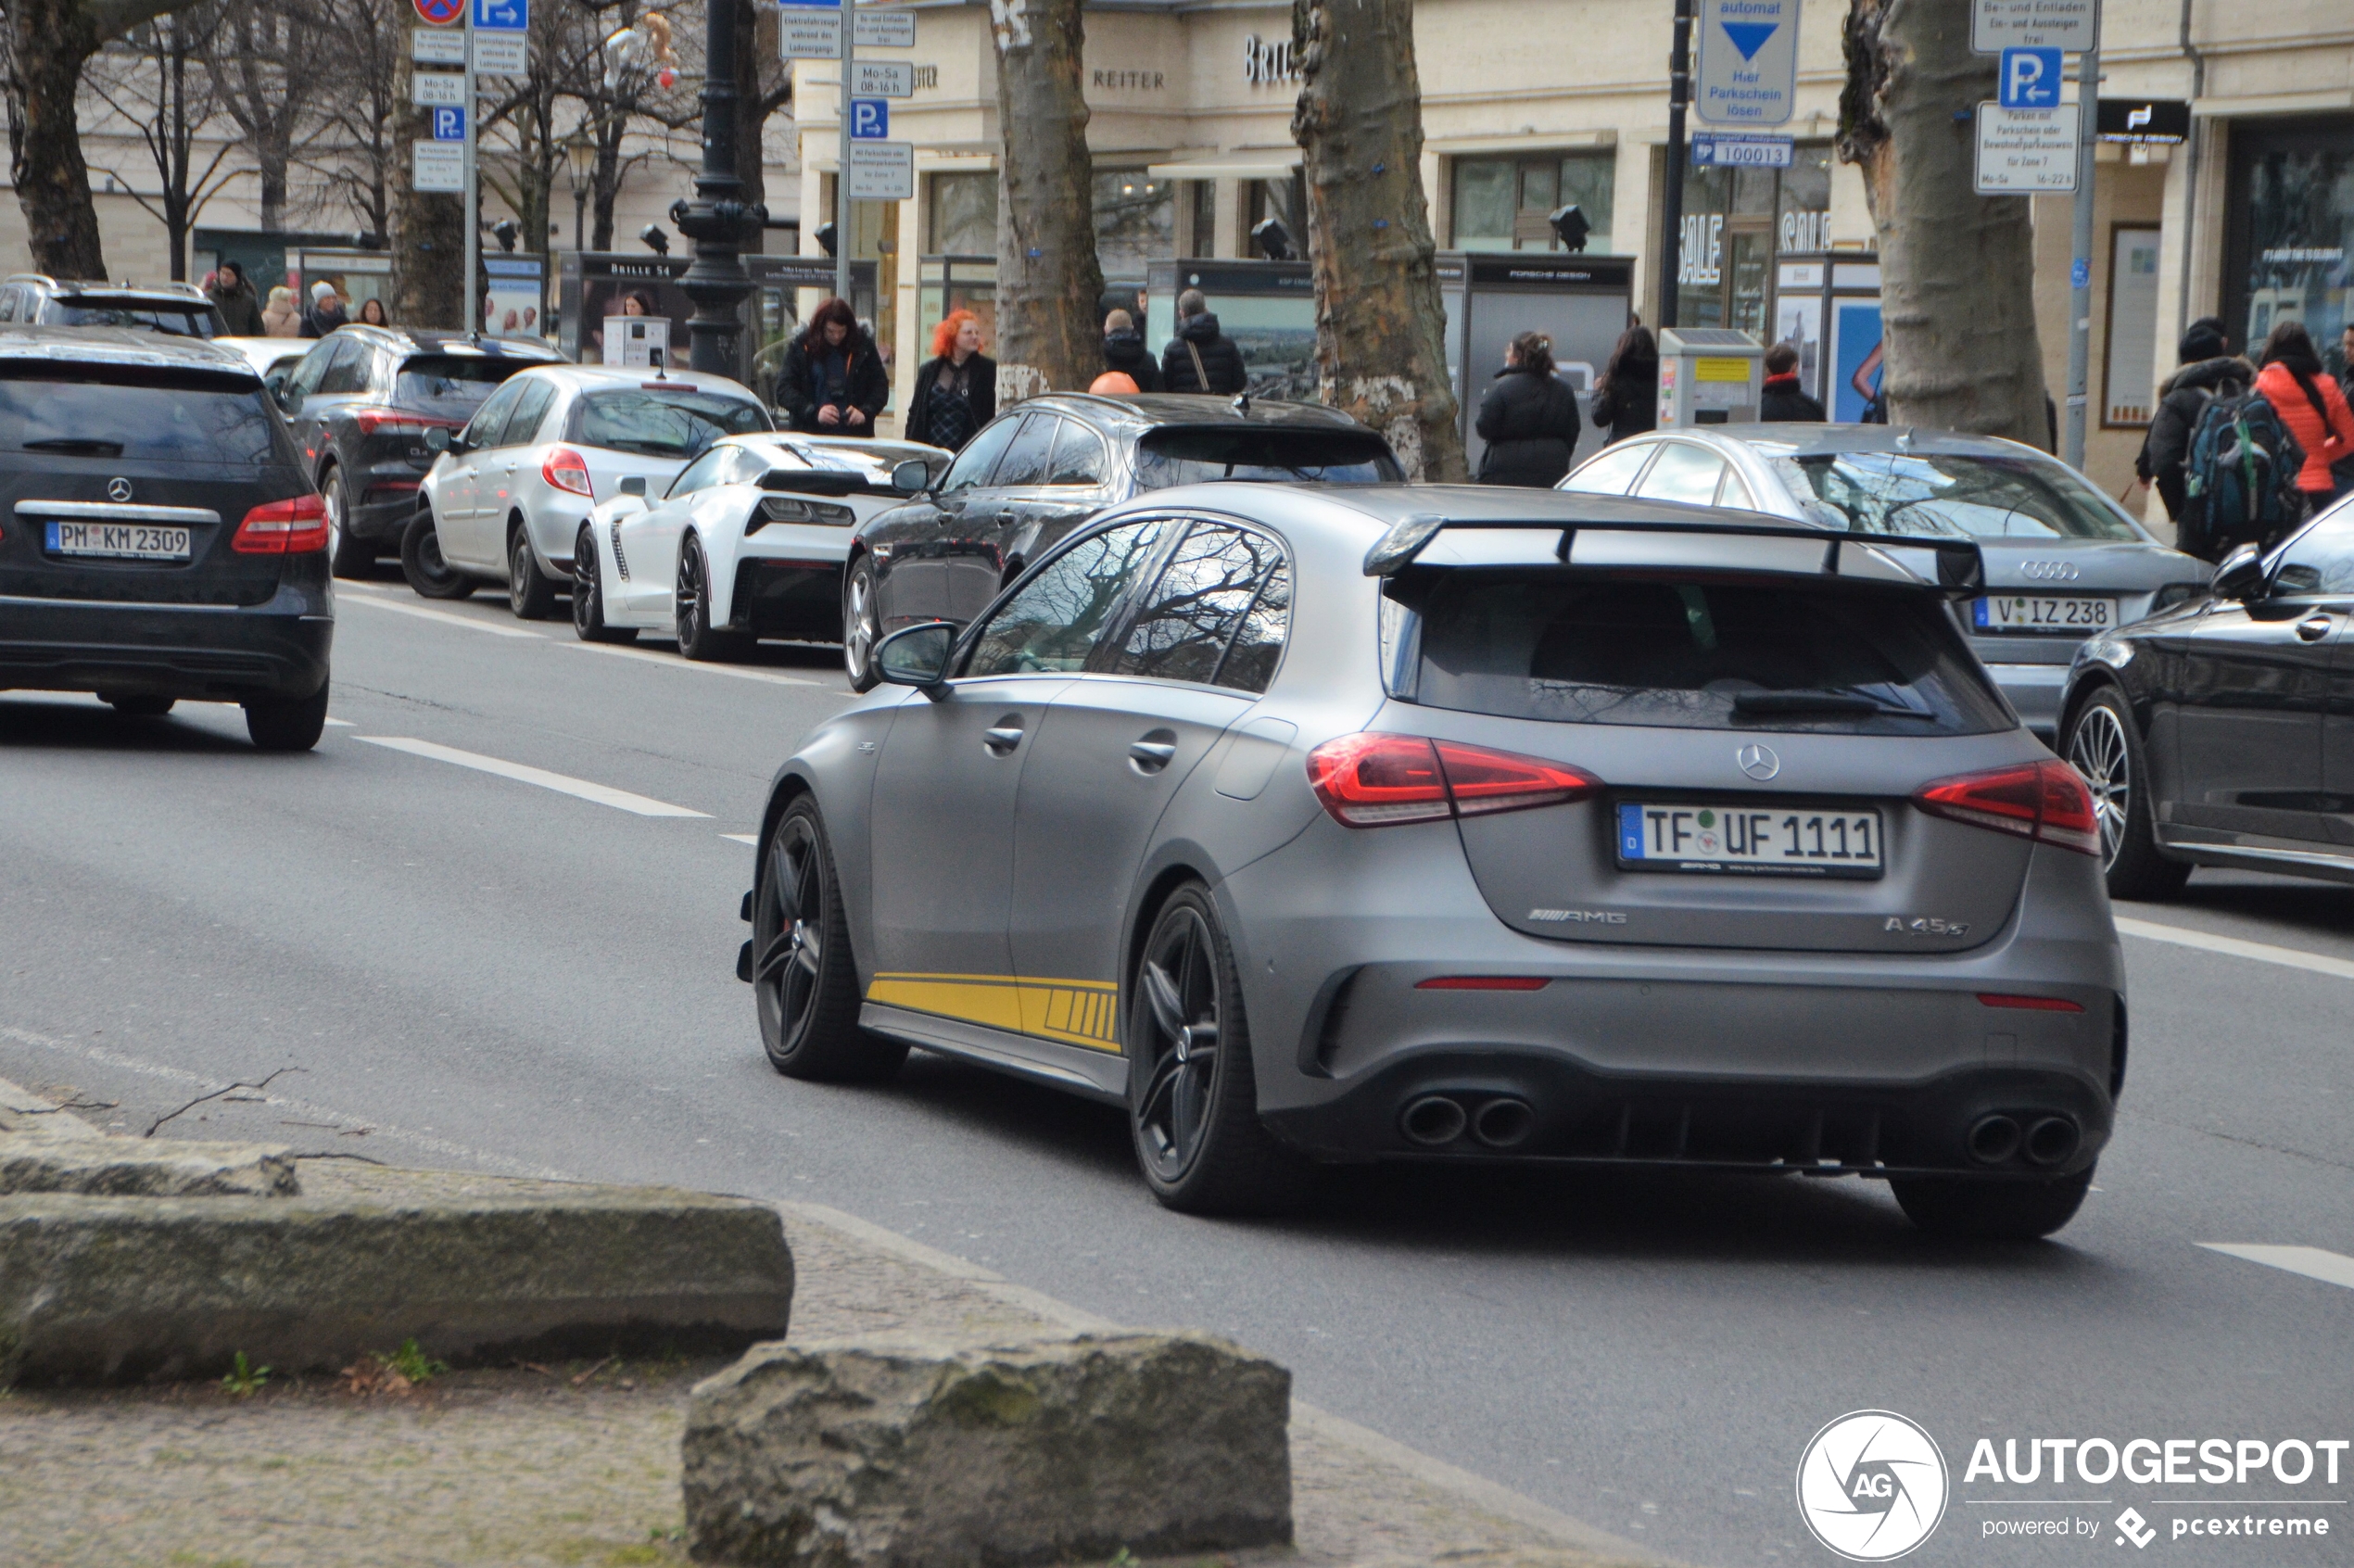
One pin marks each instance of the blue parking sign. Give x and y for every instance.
(2031, 79)
(450, 123)
(871, 120)
(502, 16)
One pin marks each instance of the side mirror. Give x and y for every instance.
(2241, 576)
(912, 477)
(916, 655)
(633, 484)
(437, 439)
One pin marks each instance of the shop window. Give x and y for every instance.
(2292, 208)
(962, 218)
(1286, 199)
(1736, 221)
(1135, 221)
(1202, 201)
(1504, 203)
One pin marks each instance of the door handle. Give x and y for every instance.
(1003, 738)
(2314, 627)
(1151, 755)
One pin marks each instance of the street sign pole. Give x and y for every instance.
(1671, 227)
(2079, 272)
(841, 176)
(471, 255)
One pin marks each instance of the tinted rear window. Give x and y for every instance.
(1953, 495)
(670, 425)
(177, 418)
(193, 321)
(1678, 653)
(1330, 457)
(451, 384)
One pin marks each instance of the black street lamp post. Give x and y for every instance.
(717, 220)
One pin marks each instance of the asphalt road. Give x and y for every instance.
(459, 965)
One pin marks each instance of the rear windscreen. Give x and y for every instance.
(451, 384)
(1167, 458)
(175, 418)
(196, 321)
(1691, 654)
(672, 425)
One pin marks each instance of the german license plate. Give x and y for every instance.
(121, 541)
(2045, 612)
(1740, 839)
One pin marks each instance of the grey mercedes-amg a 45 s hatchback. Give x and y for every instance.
(1451, 824)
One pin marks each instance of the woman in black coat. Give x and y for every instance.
(1528, 419)
(1627, 398)
(956, 389)
(832, 383)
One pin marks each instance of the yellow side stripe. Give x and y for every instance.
(1073, 1012)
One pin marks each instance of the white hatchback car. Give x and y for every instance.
(748, 543)
(510, 492)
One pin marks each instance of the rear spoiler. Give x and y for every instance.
(820, 482)
(1961, 569)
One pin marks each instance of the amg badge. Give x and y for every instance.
(1579, 917)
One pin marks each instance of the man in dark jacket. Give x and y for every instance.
(832, 380)
(1124, 351)
(2207, 365)
(1783, 402)
(326, 311)
(240, 311)
(1200, 358)
(1528, 418)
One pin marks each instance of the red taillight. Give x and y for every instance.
(1483, 982)
(1382, 780)
(567, 470)
(287, 527)
(399, 421)
(2046, 801)
(2030, 1004)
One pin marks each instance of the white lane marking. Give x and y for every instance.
(684, 663)
(2263, 952)
(423, 614)
(340, 724)
(604, 795)
(2333, 1267)
(751, 839)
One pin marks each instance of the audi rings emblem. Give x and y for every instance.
(117, 490)
(1758, 762)
(2051, 571)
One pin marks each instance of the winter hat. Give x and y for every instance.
(322, 291)
(2203, 340)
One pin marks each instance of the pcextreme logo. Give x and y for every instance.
(1871, 1486)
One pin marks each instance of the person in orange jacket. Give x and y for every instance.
(2314, 410)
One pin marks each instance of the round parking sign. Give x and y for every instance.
(441, 13)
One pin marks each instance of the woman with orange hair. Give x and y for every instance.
(956, 388)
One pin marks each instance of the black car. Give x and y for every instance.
(361, 402)
(176, 309)
(160, 537)
(1041, 469)
(2221, 732)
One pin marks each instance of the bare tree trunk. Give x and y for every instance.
(1957, 270)
(1380, 330)
(1049, 282)
(428, 233)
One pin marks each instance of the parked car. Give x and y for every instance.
(2063, 561)
(1453, 823)
(177, 310)
(162, 543)
(747, 542)
(507, 497)
(2221, 732)
(1041, 469)
(273, 359)
(364, 399)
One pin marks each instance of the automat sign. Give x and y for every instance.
(1747, 71)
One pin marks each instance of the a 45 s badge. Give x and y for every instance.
(1925, 925)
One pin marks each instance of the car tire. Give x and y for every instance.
(588, 594)
(2105, 747)
(1984, 1209)
(529, 593)
(803, 975)
(1195, 1124)
(287, 724)
(421, 561)
(348, 557)
(698, 638)
(137, 704)
(861, 626)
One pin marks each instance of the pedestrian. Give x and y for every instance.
(634, 304)
(1124, 351)
(1200, 358)
(279, 317)
(956, 388)
(1528, 418)
(832, 382)
(2346, 363)
(2314, 408)
(326, 311)
(1627, 398)
(371, 313)
(1783, 402)
(240, 311)
(2207, 365)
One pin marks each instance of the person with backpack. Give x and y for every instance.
(2240, 480)
(2314, 410)
(2207, 364)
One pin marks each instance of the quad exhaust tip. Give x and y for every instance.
(1432, 1121)
(1993, 1139)
(1500, 1124)
(2051, 1140)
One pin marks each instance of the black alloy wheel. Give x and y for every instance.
(698, 638)
(349, 557)
(529, 593)
(803, 979)
(588, 594)
(287, 724)
(1192, 1097)
(421, 561)
(2105, 747)
(861, 628)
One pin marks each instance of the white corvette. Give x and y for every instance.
(748, 543)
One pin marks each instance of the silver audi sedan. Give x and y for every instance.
(1425, 823)
(2064, 562)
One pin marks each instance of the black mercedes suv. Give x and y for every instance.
(361, 402)
(160, 537)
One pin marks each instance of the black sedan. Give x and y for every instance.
(1043, 468)
(2221, 732)
(361, 402)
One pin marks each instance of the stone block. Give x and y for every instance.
(43, 1161)
(907, 1452)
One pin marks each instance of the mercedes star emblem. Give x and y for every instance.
(1758, 762)
(117, 490)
